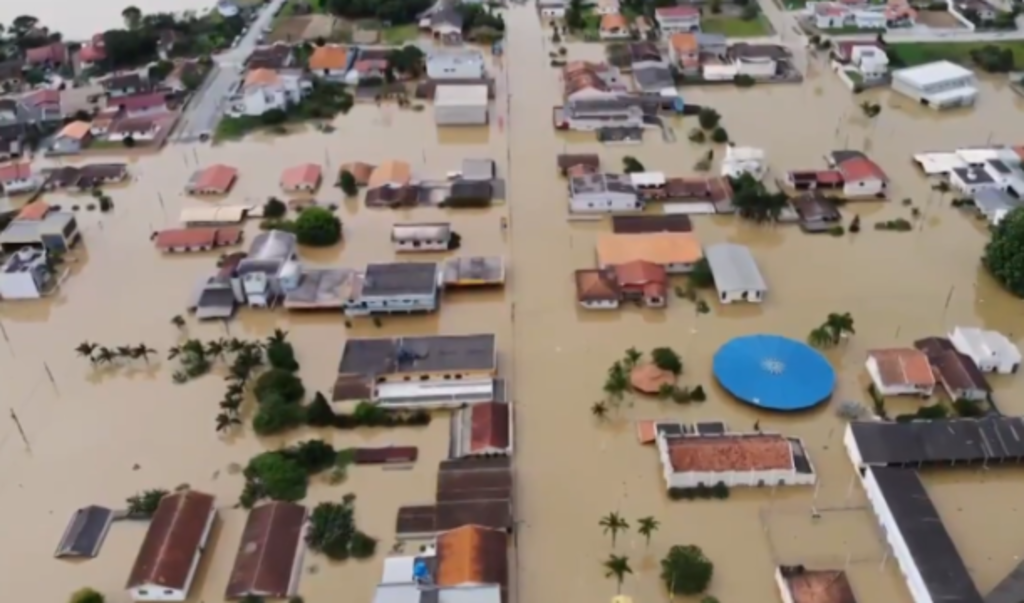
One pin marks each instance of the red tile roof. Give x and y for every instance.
(91, 54)
(54, 53)
(677, 11)
(141, 102)
(307, 174)
(195, 238)
(639, 273)
(489, 427)
(903, 366)
(595, 285)
(15, 171)
(860, 168)
(34, 211)
(730, 453)
(218, 177)
(172, 540)
(265, 563)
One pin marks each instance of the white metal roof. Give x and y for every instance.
(227, 214)
(981, 343)
(699, 208)
(939, 163)
(734, 268)
(439, 231)
(472, 95)
(931, 73)
(647, 178)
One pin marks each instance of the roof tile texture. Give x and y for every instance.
(472, 555)
(730, 453)
(266, 553)
(489, 426)
(174, 536)
(903, 366)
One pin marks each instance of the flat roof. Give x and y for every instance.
(991, 440)
(817, 586)
(932, 73)
(739, 452)
(436, 353)
(936, 557)
(400, 278)
(474, 270)
(449, 95)
(322, 288)
(265, 564)
(652, 223)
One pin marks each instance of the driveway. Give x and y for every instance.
(206, 107)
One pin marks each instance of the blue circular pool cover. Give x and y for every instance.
(774, 372)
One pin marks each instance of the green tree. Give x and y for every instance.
(132, 17)
(319, 413)
(839, 325)
(86, 348)
(276, 415)
(613, 523)
(701, 275)
(362, 546)
(820, 337)
(647, 526)
(574, 15)
(1004, 253)
(719, 135)
(281, 355)
(145, 503)
(754, 202)
(275, 476)
(618, 567)
(599, 409)
(617, 382)
(279, 382)
(332, 528)
(347, 183)
(318, 227)
(273, 117)
(313, 456)
(274, 208)
(708, 118)
(709, 599)
(633, 356)
(631, 165)
(686, 571)
(227, 420)
(86, 595)
(667, 360)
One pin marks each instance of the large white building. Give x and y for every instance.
(265, 90)
(456, 64)
(991, 351)
(939, 85)
(744, 160)
(737, 277)
(603, 193)
(461, 105)
(735, 459)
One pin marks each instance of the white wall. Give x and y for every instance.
(678, 268)
(871, 365)
(18, 285)
(460, 115)
(600, 305)
(365, 306)
(780, 581)
(753, 296)
(720, 72)
(414, 246)
(757, 69)
(863, 188)
(597, 203)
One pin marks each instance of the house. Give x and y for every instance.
(831, 15)
(474, 272)
(178, 240)
(25, 274)
(866, 58)
(938, 85)
(12, 74)
(50, 56)
(956, 373)
(86, 531)
(604, 7)
(269, 559)
(990, 174)
(275, 56)
(146, 103)
(677, 252)
(991, 351)
(214, 216)
(584, 162)
(861, 176)
(596, 114)
(473, 557)
(265, 90)
(367, 72)
(737, 277)
(654, 78)
(614, 27)
(430, 371)
(597, 289)
(712, 44)
(85, 178)
(329, 61)
(684, 51)
(301, 178)
(421, 237)
(359, 170)
(690, 460)
(71, 139)
(677, 19)
(18, 179)
(91, 55)
(137, 129)
(174, 543)
(38, 225)
(995, 204)
(41, 105)
(456, 64)
(404, 195)
(651, 223)
(396, 288)
(552, 9)
(126, 84)
(584, 80)
(641, 52)
(390, 173)
(900, 372)
(214, 180)
(272, 258)
(650, 185)
(744, 160)
(446, 25)
(642, 282)
(457, 105)
(603, 193)
(758, 61)
(816, 212)
(481, 430)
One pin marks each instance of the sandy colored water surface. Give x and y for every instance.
(88, 430)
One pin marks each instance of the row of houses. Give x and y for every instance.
(991, 176)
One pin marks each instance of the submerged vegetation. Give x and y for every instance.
(836, 327)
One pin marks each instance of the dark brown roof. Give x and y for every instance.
(814, 207)
(645, 224)
(474, 479)
(469, 491)
(386, 454)
(417, 519)
(489, 426)
(174, 535)
(567, 161)
(934, 345)
(393, 196)
(265, 561)
(495, 514)
(958, 372)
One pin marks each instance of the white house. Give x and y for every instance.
(991, 351)
(18, 178)
(603, 193)
(737, 277)
(159, 576)
(265, 90)
(900, 372)
(399, 288)
(25, 274)
(736, 459)
(677, 19)
(456, 64)
(870, 61)
(744, 160)
(995, 204)
(461, 105)
(139, 129)
(939, 85)
(421, 237)
(552, 9)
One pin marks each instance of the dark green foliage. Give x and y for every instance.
(274, 208)
(319, 412)
(281, 355)
(281, 382)
(318, 227)
(719, 135)
(276, 415)
(686, 571)
(332, 531)
(313, 456)
(667, 360)
(993, 59)
(347, 183)
(86, 595)
(967, 408)
(274, 475)
(363, 546)
(701, 276)
(129, 48)
(393, 12)
(697, 394)
(145, 503)
(708, 118)
(1004, 254)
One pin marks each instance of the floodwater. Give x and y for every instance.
(98, 437)
(77, 24)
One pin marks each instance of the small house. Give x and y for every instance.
(269, 559)
(421, 237)
(123, 85)
(396, 288)
(25, 275)
(603, 193)
(390, 173)
(136, 129)
(301, 178)
(596, 289)
(329, 61)
(552, 9)
(178, 240)
(214, 180)
(18, 178)
(456, 64)
(461, 105)
(900, 372)
(50, 56)
(642, 281)
(359, 170)
(446, 25)
(39, 225)
(861, 176)
(991, 351)
(677, 19)
(481, 430)
(71, 139)
(956, 373)
(737, 277)
(146, 103)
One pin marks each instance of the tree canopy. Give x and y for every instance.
(129, 48)
(393, 11)
(667, 360)
(276, 476)
(281, 383)
(1004, 254)
(685, 570)
(332, 531)
(318, 227)
(86, 595)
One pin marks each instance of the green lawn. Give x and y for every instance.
(400, 34)
(734, 27)
(959, 52)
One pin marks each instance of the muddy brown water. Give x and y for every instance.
(88, 429)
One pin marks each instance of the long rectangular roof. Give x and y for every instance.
(936, 557)
(993, 440)
(734, 268)
(174, 536)
(265, 564)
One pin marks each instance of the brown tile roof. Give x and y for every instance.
(958, 372)
(684, 43)
(217, 177)
(860, 168)
(614, 21)
(307, 174)
(730, 453)
(361, 171)
(15, 171)
(472, 555)
(651, 223)
(265, 563)
(566, 161)
(174, 535)
(657, 247)
(595, 285)
(903, 366)
(386, 454)
(583, 80)
(261, 77)
(639, 272)
(391, 172)
(489, 426)
(34, 211)
(329, 57)
(820, 586)
(194, 238)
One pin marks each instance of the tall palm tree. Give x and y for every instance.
(820, 337)
(178, 321)
(195, 348)
(633, 356)
(617, 566)
(216, 348)
(142, 351)
(104, 354)
(173, 352)
(839, 325)
(617, 381)
(231, 404)
(86, 348)
(124, 351)
(599, 409)
(613, 522)
(647, 526)
(235, 345)
(226, 420)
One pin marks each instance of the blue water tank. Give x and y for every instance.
(421, 573)
(678, 105)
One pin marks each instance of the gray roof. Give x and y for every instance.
(653, 77)
(272, 246)
(431, 353)
(324, 288)
(601, 183)
(711, 39)
(989, 201)
(408, 278)
(478, 169)
(85, 532)
(991, 440)
(734, 268)
(216, 300)
(421, 231)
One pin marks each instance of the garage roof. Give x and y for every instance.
(461, 95)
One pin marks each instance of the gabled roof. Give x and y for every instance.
(218, 177)
(261, 77)
(903, 366)
(53, 53)
(446, 16)
(329, 57)
(75, 130)
(684, 42)
(472, 554)
(596, 285)
(359, 170)
(15, 171)
(639, 272)
(174, 535)
(676, 12)
(734, 268)
(393, 172)
(306, 174)
(858, 167)
(489, 427)
(265, 564)
(141, 102)
(614, 21)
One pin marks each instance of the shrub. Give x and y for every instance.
(274, 117)
(313, 456)
(318, 227)
(1004, 253)
(686, 571)
(667, 360)
(281, 383)
(276, 476)
(697, 135)
(744, 81)
(719, 135)
(697, 394)
(720, 491)
(281, 355)
(276, 415)
(347, 183)
(86, 595)
(708, 118)
(362, 545)
(319, 412)
(967, 408)
(145, 504)
(701, 275)
(274, 208)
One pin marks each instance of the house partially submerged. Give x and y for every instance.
(900, 372)
(321, 289)
(991, 351)
(269, 559)
(85, 533)
(305, 177)
(737, 277)
(737, 459)
(169, 556)
(956, 372)
(214, 180)
(481, 430)
(39, 225)
(677, 252)
(651, 223)
(421, 237)
(178, 240)
(474, 272)
(395, 288)
(597, 289)
(470, 491)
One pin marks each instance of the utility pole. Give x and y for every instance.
(17, 423)
(7, 340)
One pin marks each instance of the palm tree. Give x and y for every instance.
(235, 345)
(617, 566)
(226, 420)
(104, 355)
(617, 381)
(820, 337)
(235, 389)
(178, 321)
(633, 356)
(194, 348)
(613, 522)
(278, 336)
(124, 351)
(142, 351)
(173, 352)
(86, 348)
(839, 325)
(599, 409)
(648, 525)
(216, 348)
(231, 404)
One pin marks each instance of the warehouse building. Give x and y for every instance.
(460, 105)
(939, 85)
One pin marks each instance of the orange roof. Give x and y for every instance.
(261, 77)
(595, 285)
(903, 366)
(639, 272)
(684, 42)
(860, 168)
(329, 57)
(645, 431)
(197, 237)
(307, 174)
(657, 247)
(361, 171)
(648, 378)
(472, 554)
(398, 173)
(15, 171)
(217, 178)
(729, 453)
(610, 22)
(76, 130)
(34, 211)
